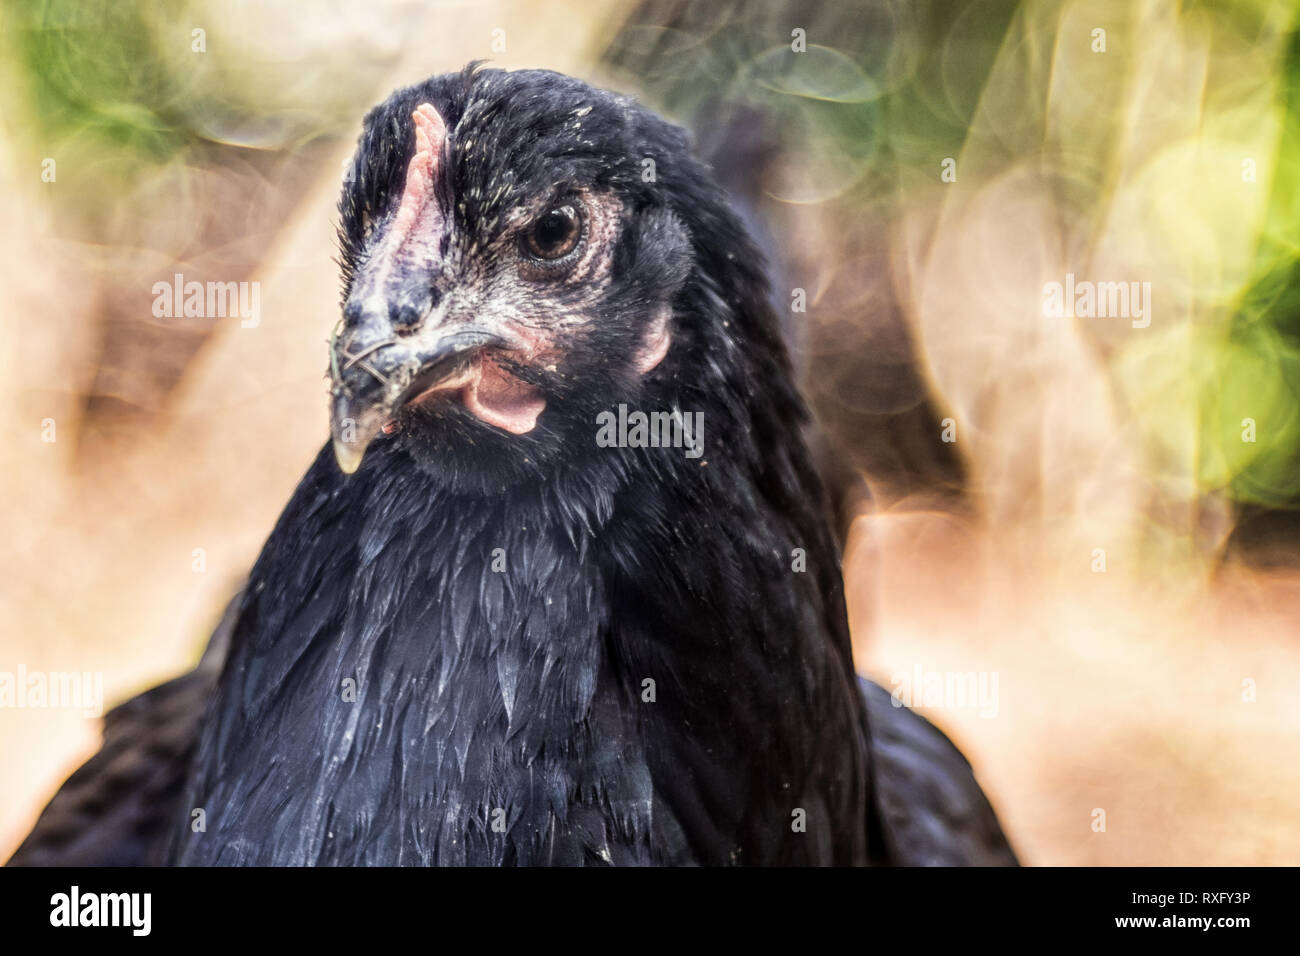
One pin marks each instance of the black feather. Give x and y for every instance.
(501, 717)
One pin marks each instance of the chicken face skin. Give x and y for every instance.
(509, 272)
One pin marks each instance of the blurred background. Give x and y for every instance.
(1099, 512)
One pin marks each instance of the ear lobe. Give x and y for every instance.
(657, 339)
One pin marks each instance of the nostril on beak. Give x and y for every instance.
(405, 314)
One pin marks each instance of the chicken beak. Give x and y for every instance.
(353, 427)
(371, 383)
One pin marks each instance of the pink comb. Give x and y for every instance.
(430, 134)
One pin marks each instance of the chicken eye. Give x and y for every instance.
(555, 234)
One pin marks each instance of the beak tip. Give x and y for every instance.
(348, 455)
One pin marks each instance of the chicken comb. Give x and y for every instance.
(430, 134)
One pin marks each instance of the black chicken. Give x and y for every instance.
(494, 639)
